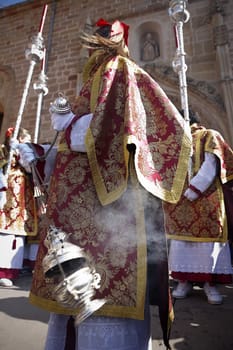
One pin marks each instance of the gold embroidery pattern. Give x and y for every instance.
(112, 236)
(19, 215)
(203, 220)
(162, 144)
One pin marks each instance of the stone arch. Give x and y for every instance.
(7, 84)
(202, 97)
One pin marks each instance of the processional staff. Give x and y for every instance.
(41, 87)
(34, 54)
(179, 15)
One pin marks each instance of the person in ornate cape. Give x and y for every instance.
(40, 177)
(124, 147)
(18, 217)
(199, 225)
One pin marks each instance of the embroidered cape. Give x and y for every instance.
(203, 220)
(131, 108)
(97, 196)
(19, 215)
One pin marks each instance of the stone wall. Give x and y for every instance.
(210, 25)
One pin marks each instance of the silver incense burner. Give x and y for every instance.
(77, 279)
(60, 105)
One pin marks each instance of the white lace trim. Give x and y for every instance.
(200, 257)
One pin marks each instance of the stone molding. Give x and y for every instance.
(165, 72)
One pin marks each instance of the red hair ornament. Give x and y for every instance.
(117, 28)
(9, 132)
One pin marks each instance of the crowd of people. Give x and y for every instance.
(121, 186)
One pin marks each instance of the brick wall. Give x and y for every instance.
(19, 23)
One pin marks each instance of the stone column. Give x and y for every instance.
(224, 66)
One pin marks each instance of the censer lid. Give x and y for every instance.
(61, 255)
(60, 105)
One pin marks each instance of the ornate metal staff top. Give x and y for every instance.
(41, 87)
(179, 15)
(34, 54)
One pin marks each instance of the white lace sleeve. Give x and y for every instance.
(206, 174)
(78, 133)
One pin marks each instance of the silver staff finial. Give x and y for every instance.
(179, 15)
(177, 11)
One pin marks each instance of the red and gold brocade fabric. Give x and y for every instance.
(94, 197)
(19, 216)
(112, 236)
(131, 108)
(203, 220)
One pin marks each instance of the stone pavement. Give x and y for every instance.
(197, 325)
(22, 326)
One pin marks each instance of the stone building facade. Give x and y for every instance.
(208, 42)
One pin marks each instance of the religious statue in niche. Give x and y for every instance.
(150, 48)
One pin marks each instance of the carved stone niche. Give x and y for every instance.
(149, 43)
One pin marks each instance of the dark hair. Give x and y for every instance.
(104, 31)
(193, 116)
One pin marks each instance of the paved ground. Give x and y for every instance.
(198, 325)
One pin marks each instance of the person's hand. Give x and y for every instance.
(60, 122)
(2, 199)
(14, 144)
(26, 156)
(191, 195)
